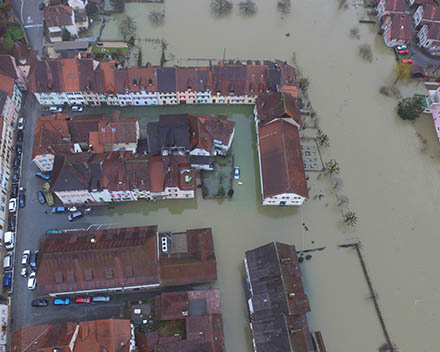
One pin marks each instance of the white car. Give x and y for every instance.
(401, 47)
(78, 108)
(32, 281)
(56, 109)
(25, 257)
(12, 205)
(20, 123)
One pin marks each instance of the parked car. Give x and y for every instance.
(21, 200)
(33, 260)
(7, 280)
(20, 123)
(75, 216)
(9, 240)
(8, 261)
(101, 299)
(403, 52)
(54, 231)
(401, 47)
(20, 136)
(86, 300)
(24, 271)
(19, 149)
(15, 176)
(14, 191)
(78, 108)
(61, 301)
(25, 257)
(16, 163)
(41, 197)
(56, 109)
(236, 173)
(59, 210)
(40, 303)
(12, 205)
(32, 281)
(73, 209)
(11, 222)
(88, 210)
(43, 175)
(407, 61)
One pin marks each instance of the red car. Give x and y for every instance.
(407, 61)
(403, 52)
(83, 300)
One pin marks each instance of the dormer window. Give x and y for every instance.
(150, 82)
(126, 90)
(120, 182)
(134, 83)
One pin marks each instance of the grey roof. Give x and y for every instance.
(153, 138)
(166, 79)
(174, 131)
(71, 45)
(273, 76)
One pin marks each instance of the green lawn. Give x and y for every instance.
(109, 51)
(13, 31)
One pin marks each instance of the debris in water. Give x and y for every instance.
(240, 182)
(308, 256)
(300, 259)
(287, 34)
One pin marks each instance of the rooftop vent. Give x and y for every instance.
(164, 244)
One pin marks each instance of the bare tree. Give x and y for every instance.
(304, 83)
(284, 6)
(350, 218)
(336, 182)
(247, 8)
(221, 7)
(342, 200)
(332, 167)
(365, 52)
(127, 26)
(343, 5)
(156, 18)
(354, 33)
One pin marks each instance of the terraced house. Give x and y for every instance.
(89, 82)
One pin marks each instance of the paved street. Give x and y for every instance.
(31, 18)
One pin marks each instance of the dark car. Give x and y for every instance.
(33, 260)
(59, 210)
(11, 222)
(21, 200)
(40, 303)
(43, 175)
(15, 177)
(7, 280)
(14, 191)
(20, 136)
(41, 197)
(16, 163)
(19, 149)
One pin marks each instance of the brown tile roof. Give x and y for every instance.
(142, 77)
(197, 262)
(156, 174)
(431, 12)
(43, 338)
(7, 83)
(277, 105)
(115, 258)
(186, 78)
(8, 66)
(204, 79)
(282, 166)
(51, 136)
(111, 335)
(433, 33)
(401, 27)
(229, 78)
(116, 130)
(288, 73)
(45, 76)
(179, 172)
(396, 5)
(107, 77)
(205, 129)
(256, 79)
(58, 16)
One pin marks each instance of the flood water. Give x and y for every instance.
(389, 175)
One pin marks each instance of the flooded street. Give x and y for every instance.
(390, 169)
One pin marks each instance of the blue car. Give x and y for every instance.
(61, 301)
(21, 200)
(7, 280)
(59, 210)
(101, 299)
(44, 176)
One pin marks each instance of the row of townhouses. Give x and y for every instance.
(12, 83)
(89, 82)
(98, 158)
(400, 18)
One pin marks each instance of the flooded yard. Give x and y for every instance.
(390, 169)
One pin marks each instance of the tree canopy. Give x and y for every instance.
(127, 26)
(410, 108)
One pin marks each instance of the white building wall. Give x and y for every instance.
(75, 197)
(4, 318)
(177, 193)
(287, 199)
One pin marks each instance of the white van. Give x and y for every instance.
(7, 261)
(9, 239)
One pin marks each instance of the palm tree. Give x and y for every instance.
(323, 140)
(332, 167)
(350, 218)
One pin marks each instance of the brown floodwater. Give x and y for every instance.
(390, 171)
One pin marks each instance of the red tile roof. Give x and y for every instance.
(256, 78)
(396, 5)
(115, 257)
(7, 83)
(186, 78)
(401, 27)
(280, 150)
(58, 16)
(70, 75)
(431, 12)
(275, 106)
(157, 174)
